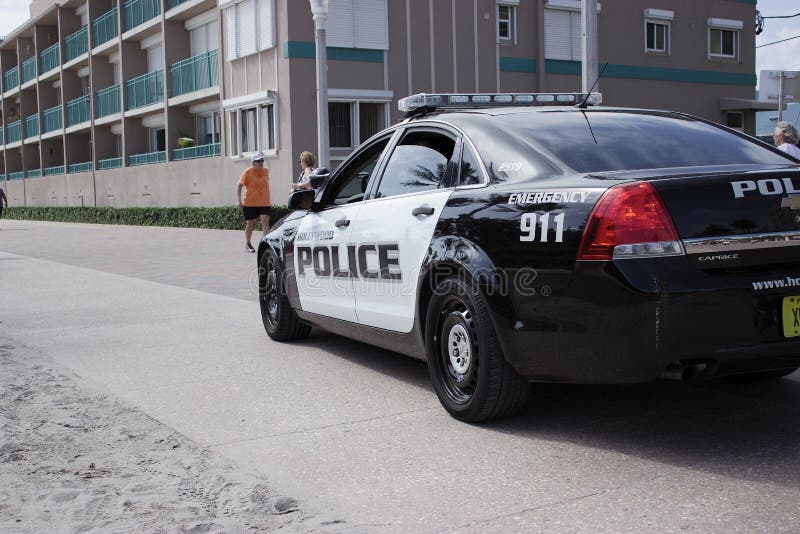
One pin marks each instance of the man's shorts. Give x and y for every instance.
(252, 212)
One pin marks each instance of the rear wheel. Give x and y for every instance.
(466, 365)
(280, 320)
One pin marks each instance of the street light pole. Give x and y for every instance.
(320, 10)
(589, 45)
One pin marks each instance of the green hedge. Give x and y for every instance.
(227, 218)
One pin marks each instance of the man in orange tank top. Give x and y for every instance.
(256, 204)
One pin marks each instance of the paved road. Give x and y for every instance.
(164, 320)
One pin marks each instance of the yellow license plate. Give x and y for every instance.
(791, 316)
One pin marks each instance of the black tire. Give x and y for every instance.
(280, 320)
(466, 365)
(766, 375)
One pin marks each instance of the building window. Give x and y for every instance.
(354, 120)
(157, 140)
(735, 120)
(253, 128)
(722, 43)
(249, 28)
(506, 23)
(358, 24)
(657, 36)
(208, 129)
(562, 34)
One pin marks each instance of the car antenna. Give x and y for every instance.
(582, 105)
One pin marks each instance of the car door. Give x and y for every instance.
(394, 226)
(323, 262)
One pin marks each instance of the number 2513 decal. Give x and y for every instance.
(528, 225)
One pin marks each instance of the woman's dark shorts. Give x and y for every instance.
(252, 212)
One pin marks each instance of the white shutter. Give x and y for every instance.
(339, 28)
(266, 35)
(197, 40)
(371, 24)
(557, 34)
(155, 59)
(576, 27)
(213, 35)
(230, 34)
(247, 27)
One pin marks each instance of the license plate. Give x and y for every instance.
(791, 316)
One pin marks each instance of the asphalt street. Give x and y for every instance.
(165, 321)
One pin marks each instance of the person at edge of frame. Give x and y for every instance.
(307, 165)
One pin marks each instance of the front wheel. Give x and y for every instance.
(466, 365)
(280, 320)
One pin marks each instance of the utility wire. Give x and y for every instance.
(781, 41)
(782, 16)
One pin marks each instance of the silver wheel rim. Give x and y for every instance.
(459, 349)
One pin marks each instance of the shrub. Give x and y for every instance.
(225, 218)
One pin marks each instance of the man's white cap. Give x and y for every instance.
(258, 156)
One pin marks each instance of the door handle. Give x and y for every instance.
(422, 210)
(288, 231)
(342, 223)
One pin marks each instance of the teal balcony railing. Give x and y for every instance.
(11, 79)
(110, 163)
(174, 3)
(32, 126)
(104, 27)
(145, 90)
(72, 168)
(1, 135)
(14, 131)
(135, 12)
(201, 151)
(194, 73)
(16, 175)
(78, 110)
(147, 158)
(51, 120)
(52, 171)
(76, 44)
(108, 101)
(29, 70)
(50, 58)
(33, 173)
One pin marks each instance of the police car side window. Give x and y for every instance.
(351, 183)
(469, 171)
(418, 163)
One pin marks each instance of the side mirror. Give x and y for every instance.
(302, 200)
(319, 177)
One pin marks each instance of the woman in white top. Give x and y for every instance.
(307, 163)
(786, 138)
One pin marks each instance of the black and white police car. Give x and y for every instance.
(516, 238)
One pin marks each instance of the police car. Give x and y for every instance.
(516, 238)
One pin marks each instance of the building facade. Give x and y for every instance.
(161, 102)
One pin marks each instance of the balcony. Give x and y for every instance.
(14, 131)
(78, 110)
(76, 44)
(135, 12)
(52, 171)
(104, 27)
(33, 173)
(11, 79)
(147, 158)
(16, 175)
(73, 168)
(195, 73)
(110, 163)
(174, 3)
(50, 58)
(1, 136)
(32, 126)
(194, 152)
(145, 90)
(29, 70)
(108, 101)
(51, 120)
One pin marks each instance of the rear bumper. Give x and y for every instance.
(626, 322)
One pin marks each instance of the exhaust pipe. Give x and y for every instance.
(682, 371)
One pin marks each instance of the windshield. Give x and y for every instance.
(596, 141)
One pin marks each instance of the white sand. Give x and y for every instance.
(75, 460)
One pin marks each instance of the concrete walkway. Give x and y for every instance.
(164, 319)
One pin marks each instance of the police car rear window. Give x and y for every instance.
(596, 141)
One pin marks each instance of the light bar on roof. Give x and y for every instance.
(487, 100)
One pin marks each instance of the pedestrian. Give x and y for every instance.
(256, 204)
(307, 165)
(3, 201)
(786, 138)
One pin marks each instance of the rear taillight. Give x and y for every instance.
(629, 221)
